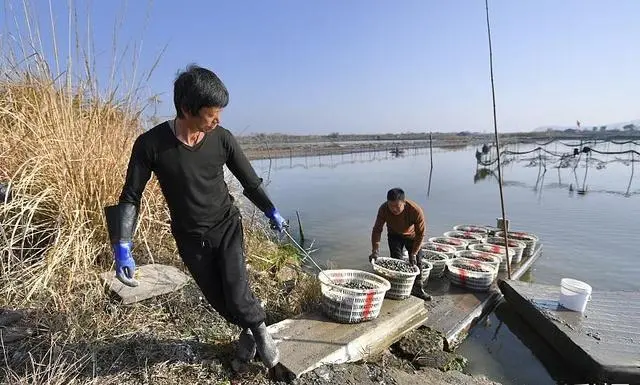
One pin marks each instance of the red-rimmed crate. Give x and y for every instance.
(471, 238)
(498, 250)
(516, 245)
(476, 229)
(459, 244)
(401, 281)
(448, 250)
(472, 275)
(351, 305)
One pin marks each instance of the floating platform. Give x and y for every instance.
(312, 339)
(603, 344)
(454, 310)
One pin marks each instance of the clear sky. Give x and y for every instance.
(370, 66)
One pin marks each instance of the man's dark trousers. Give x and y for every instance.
(217, 263)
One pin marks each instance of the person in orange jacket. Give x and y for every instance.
(406, 227)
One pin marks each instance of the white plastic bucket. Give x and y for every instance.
(574, 294)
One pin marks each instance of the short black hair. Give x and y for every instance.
(198, 87)
(395, 194)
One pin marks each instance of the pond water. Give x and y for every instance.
(590, 236)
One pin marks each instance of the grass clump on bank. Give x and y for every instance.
(64, 153)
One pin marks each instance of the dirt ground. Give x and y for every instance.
(366, 374)
(389, 370)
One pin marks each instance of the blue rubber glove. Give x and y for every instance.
(276, 220)
(125, 264)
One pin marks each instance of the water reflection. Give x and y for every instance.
(598, 156)
(504, 339)
(578, 186)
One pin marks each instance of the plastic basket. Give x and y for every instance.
(401, 282)
(438, 261)
(448, 250)
(347, 305)
(460, 274)
(497, 250)
(481, 256)
(476, 229)
(459, 244)
(529, 239)
(425, 273)
(471, 238)
(517, 246)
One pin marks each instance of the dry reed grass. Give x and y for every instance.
(64, 153)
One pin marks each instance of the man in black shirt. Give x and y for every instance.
(187, 155)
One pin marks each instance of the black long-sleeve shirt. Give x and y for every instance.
(191, 178)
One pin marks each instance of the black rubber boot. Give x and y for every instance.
(420, 282)
(245, 351)
(266, 347)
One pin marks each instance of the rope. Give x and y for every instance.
(626, 142)
(495, 129)
(561, 156)
(615, 152)
(593, 141)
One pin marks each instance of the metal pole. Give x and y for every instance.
(495, 128)
(431, 149)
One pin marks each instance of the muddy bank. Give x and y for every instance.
(391, 372)
(417, 358)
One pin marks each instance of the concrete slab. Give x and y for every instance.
(603, 343)
(154, 280)
(312, 340)
(454, 310)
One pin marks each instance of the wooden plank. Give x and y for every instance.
(311, 340)
(154, 280)
(603, 343)
(453, 310)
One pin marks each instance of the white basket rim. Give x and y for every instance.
(480, 246)
(494, 265)
(483, 229)
(462, 242)
(465, 254)
(438, 254)
(451, 248)
(492, 269)
(394, 272)
(496, 240)
(384, 284)
(453, 233)
(519, 235)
